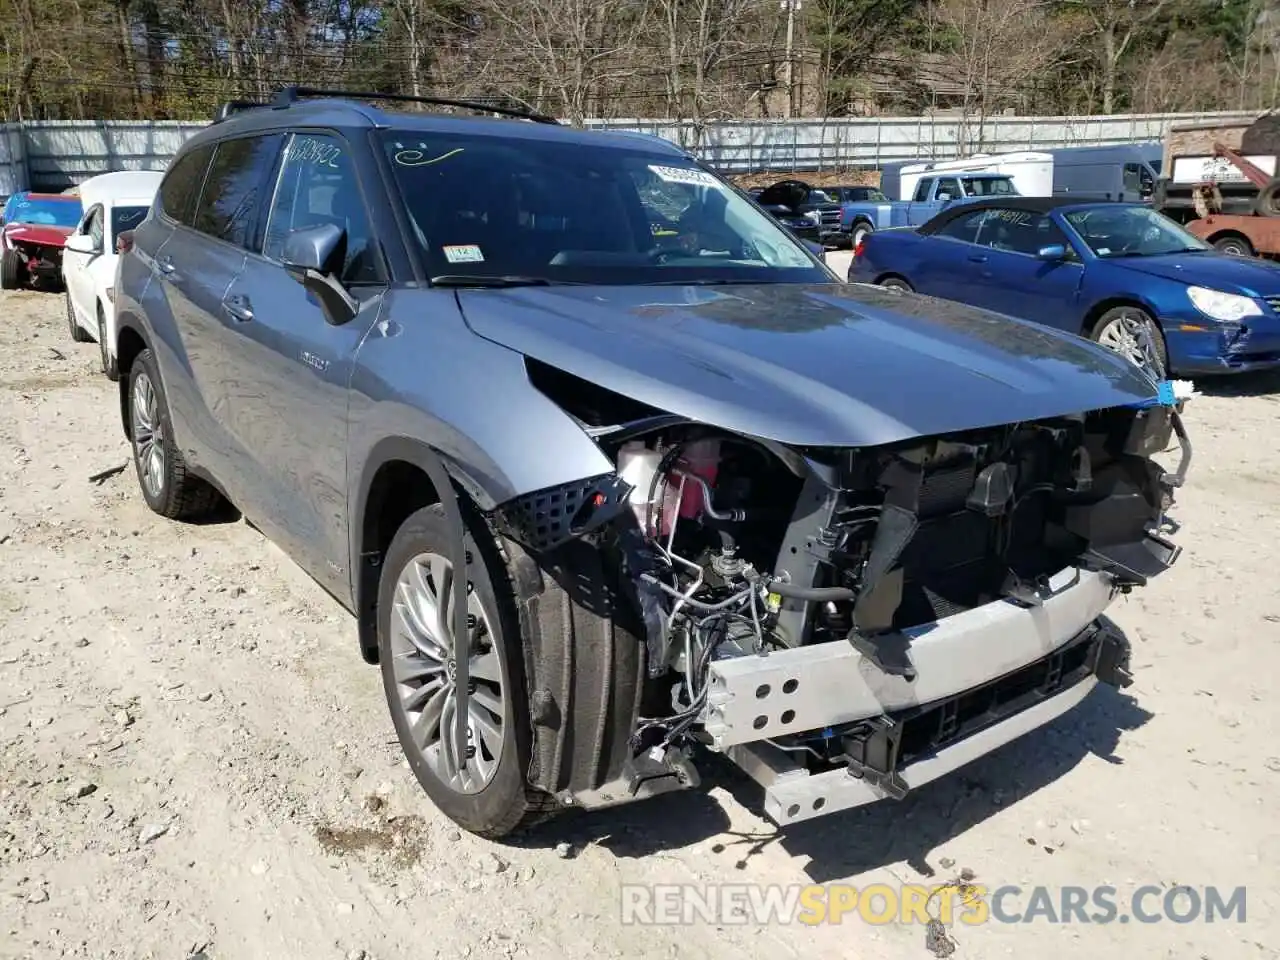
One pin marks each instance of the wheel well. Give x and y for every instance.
(398, 489)
(1229, 235)
(128, 345)
(1095, 314)
(893, 276)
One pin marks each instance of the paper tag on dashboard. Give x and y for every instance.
(463, 253)
(694, 178)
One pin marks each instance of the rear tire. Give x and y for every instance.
(1267, 203)
(1234, 245)
(491, 796)
(10, 270)
(896, 283)
(78, 334)
(109, 366)
(1122, 329)
(168, 487)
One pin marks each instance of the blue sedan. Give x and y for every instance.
(1121, 274)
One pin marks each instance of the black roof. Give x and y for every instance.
(1030, 204)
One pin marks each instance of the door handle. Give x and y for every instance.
(237, 307)
(978, 257)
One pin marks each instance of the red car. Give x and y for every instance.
(33, 229)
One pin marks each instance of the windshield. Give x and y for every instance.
(44, 212)
(550, 211)
(1131, 232)
(990, 187)
(126, 218)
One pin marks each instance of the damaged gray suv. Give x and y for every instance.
(613, 473)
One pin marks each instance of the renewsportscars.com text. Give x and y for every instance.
(964, 903)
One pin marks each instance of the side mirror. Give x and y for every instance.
(1055, 251)
(313, 256)
(83, 243)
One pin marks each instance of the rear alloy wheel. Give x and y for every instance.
(109, 366)
(1132, 333)
(167, 486)
(78, 334)
(896, 283)
(484, 791)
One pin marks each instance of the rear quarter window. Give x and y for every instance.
(181, 185)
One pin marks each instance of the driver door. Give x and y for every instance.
(75, 268)
(1009, 277)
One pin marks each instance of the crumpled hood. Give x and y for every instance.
(1244, 275)
(820, 365)
(43, 234)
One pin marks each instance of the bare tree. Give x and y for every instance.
(572, 46)
(994, 47)
(1112, 27)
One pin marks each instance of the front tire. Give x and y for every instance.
(167, 485)
(109, 366)
(10, 270)
(860, 232)
(487, 795)
(1134, 334)
(77, 332)
(896, 283)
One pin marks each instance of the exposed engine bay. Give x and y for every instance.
(845, 622)
(739, 549)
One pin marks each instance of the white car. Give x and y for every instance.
(113, 203)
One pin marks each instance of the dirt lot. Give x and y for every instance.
(195, 762)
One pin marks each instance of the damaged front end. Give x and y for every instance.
(844, 624)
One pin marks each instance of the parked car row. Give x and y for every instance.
(1121, 274)
(578, 434)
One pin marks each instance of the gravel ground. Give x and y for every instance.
(194, 761)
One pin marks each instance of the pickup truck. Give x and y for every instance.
(932, 194)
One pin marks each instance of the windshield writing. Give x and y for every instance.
(559, 212)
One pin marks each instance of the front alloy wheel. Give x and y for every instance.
(1131, 333)
(425, 655)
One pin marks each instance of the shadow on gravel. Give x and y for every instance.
(225, 512)
(865, 838)
(859, 840)
(1265, 384)
(668, 822)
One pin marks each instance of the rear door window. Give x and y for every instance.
(236, 187)
(181, 185)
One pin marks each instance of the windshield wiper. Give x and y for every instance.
(698, 282)
(490, 282)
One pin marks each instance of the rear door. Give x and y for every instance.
(1010, 278)
(196, 265)
(292, 370)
